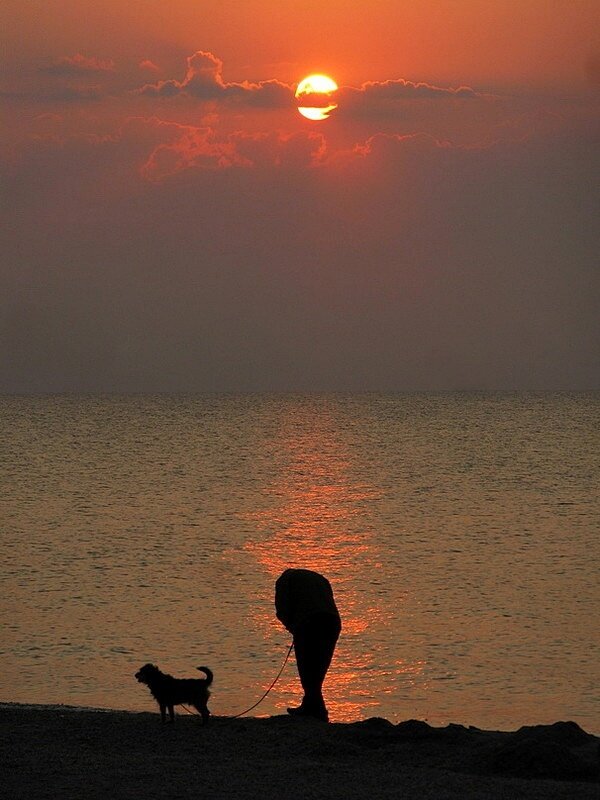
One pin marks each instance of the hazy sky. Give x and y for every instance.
(170, 222)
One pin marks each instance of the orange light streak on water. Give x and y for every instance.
(313, 520)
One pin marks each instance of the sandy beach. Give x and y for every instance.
(67, 752)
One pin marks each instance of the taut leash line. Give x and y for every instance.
(258, 702)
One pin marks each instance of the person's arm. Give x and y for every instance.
(282, 607)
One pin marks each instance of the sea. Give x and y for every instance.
(460, 533)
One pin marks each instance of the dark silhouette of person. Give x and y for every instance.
(304, 603)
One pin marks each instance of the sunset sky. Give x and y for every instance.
(172, 223)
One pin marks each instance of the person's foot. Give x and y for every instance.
(304, 711)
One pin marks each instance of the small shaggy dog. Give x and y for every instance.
(169, 691)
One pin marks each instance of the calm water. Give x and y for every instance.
(460, 533)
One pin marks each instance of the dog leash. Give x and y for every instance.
(258, 702)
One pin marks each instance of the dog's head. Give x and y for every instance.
(147, 673)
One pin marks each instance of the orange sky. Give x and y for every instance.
(175, 223)
(487, 42)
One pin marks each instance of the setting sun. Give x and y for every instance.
(315, 88)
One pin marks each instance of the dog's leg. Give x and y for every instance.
(172, 713)
(163, 712)
(203, 711)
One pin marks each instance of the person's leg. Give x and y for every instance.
(314, 645)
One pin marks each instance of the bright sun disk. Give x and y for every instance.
(316, 84)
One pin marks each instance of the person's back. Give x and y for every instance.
(301, 594)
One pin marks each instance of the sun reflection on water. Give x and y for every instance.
(313, 519)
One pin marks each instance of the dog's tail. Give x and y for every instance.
(208, 673)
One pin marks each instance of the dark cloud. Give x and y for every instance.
(63, 94)
(391, 97)
(188, 147)
(400, 89)
(204, 80)
(148, 65)
(201, 148)
(286, 151)
(161, 89)
(71, 94)
(154, 150)
(78, 64)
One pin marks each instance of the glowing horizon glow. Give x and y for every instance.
(316, 84)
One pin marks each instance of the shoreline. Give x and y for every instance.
(73, 751)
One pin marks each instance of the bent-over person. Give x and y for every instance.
(304, 603)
